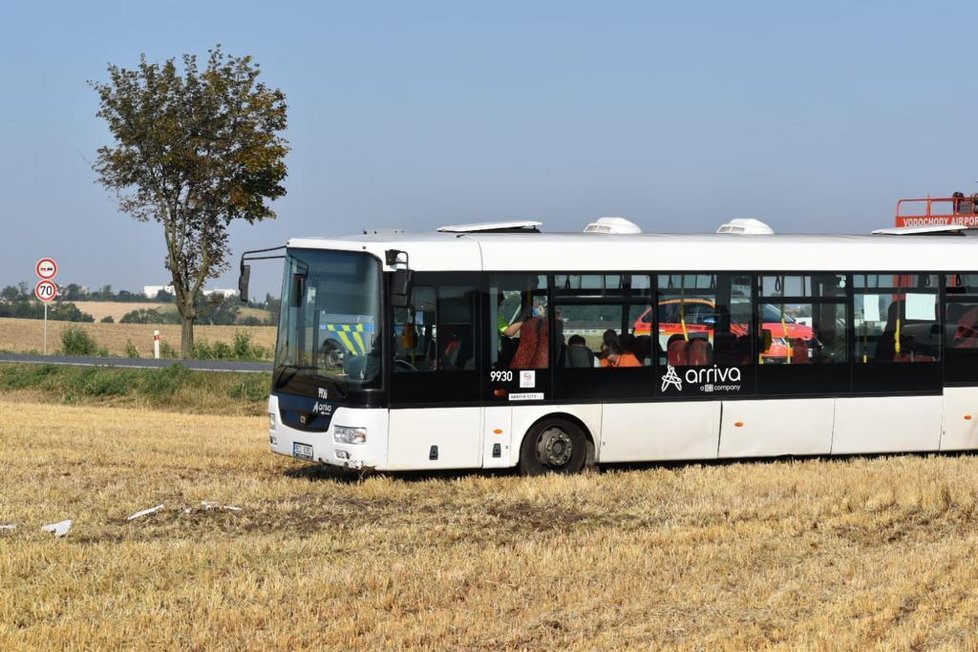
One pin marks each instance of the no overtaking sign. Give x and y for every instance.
(46, 269)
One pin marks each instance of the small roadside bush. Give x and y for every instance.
(241, 349)
(107, 320)
(131, 350)
(166, 381)
(75, 340)
(245, 350)
(167, 351)
(216, 351)
(98, 381)
(25, 376)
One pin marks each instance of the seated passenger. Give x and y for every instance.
(643, 349)
(627, 341)
(578, 355)
(618, 357)
(965, 327)
(607, 338)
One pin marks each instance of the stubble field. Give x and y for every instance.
(841, 553)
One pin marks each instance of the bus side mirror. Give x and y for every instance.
(298, 283)
(243, 283)
(766, 340)
(401, 288)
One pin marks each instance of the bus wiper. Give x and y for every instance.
(285, 377)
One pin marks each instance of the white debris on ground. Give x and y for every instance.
(8, 527)
(209, 504)
(59, 529)
(145, 512)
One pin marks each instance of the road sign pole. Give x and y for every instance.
(45, 290)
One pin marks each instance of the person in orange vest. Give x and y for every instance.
(619, 357)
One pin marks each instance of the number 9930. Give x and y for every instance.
(500, 376)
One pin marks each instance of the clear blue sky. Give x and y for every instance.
(814, 118)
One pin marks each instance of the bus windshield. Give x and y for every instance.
(327, 339)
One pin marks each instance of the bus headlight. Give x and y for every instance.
(271, 421)
(349, 434)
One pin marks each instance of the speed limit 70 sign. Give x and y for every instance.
(46, 291)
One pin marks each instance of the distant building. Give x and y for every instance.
(224, 292)
(152, 290)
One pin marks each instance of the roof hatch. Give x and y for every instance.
(512, 226)
(612, 225)
(746, 226)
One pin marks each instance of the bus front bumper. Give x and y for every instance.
(356, 438)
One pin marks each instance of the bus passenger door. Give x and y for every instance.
(960, 431)
(435, 413)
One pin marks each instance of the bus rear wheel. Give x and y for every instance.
(553, 446)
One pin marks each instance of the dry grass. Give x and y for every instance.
(24, 335)
(814, 554)
(117, 309)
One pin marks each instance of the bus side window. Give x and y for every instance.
(961, 327)
(520, 333)
(435, 332)
(896, 319)
(704, 319)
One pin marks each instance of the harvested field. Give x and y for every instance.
(117, 309)
(25, 335)
(813, 554)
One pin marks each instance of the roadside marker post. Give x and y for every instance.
(156, 344)
(46, 290)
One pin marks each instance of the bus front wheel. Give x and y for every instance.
(553, 446)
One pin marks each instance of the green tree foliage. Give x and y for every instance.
(11, 293)
(217, 310)
(57, 311)
(72, 292)
(193, 151)
(149, 316)
(274, 306)
(75, 340)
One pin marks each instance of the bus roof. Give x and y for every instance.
(592, 252)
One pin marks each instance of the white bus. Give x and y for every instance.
(493, 346)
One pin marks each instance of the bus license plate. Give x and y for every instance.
(302, 451)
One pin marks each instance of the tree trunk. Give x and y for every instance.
(186, 338)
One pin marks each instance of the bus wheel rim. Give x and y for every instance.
(554, 448)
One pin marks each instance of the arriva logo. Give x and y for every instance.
(713, 375)
(707, 377)
(672, 378)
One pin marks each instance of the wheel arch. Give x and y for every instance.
(567, 416)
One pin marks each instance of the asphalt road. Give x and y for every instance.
(139, 363)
